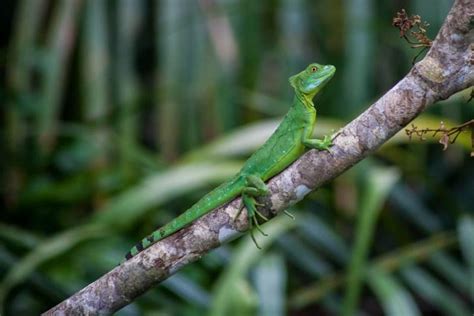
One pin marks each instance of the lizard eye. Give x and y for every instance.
(314, 69)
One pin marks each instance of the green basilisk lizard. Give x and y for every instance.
(284, 146)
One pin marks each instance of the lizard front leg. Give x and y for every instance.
(320, 144)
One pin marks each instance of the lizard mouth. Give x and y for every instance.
(316, 83)
(327, 73)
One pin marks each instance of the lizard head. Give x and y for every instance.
(312, 79)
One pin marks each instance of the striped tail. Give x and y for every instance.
(217, 197)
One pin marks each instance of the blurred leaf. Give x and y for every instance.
(395, 300)
(466, 241)
(244, 257)
(69, 190)
(321, 235)
(46, 250)
(416, 252)
(20, 61)
(426, 286)
(18, 236)
(130, 14)
(270, 283)
(126, 208)
(119, 214)
(240, 142)
(304, 257)
(359, 52)
(37, 282)
(452, 271)
(60, 40)
(294, 31)
(95, 63)
(246, 139)
(76, 156)
(378, 184)
(387, 263)
(188, 290)
(245, 300)
(265, 104)
(94, 84)
(410, 205)
(170, 50)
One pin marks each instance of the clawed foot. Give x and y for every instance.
(253, 220)
(253, 213)
(325, 143)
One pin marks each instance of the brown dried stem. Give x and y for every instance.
(405, 24)
(448, 136)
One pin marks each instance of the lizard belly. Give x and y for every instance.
(285, 157)
(279, 151)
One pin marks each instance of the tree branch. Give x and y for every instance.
(447, 68)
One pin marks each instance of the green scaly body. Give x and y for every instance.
(286, 144)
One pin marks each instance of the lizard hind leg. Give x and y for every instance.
(255, 188)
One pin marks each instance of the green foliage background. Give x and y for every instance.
(117, 115)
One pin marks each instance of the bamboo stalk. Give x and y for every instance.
(60, 42)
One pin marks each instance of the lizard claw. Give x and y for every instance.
(329, 150)
(241, 207)
(334, 136)
(326, 142)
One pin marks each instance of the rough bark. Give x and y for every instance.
(447, 68)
